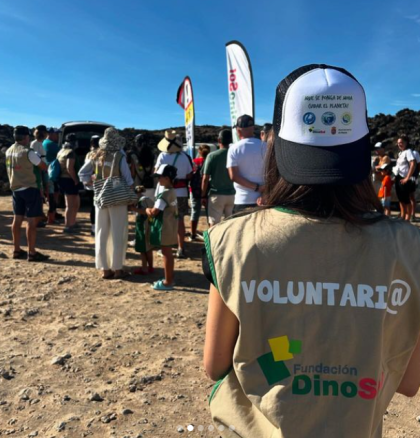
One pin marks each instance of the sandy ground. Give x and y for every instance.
(129, 358)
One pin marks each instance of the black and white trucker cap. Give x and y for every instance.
(320, 127)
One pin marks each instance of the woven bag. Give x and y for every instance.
(113, 191)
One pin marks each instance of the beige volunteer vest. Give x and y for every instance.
(329, 316)
(103, 170)
(21, 172)
(164, 229)
(62, 158)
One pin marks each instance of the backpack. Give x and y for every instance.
(54, 171)
(195, 182)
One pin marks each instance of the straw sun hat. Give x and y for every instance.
(112, 141)
(170, 143)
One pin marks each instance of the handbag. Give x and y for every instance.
(113, 191)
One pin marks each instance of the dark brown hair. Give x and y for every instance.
(357, 204)
(405, 139)
(204, 150)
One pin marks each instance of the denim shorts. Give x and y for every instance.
(27, 203)
(386, 202)
(182, 206)
(195, 208)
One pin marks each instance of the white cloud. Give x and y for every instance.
(415, 18)
(12, 15)
(401, 103)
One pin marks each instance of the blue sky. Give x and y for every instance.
(121, 61)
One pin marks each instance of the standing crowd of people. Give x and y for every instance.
(402, 173)
(224, 181)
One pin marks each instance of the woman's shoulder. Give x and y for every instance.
(242, 223)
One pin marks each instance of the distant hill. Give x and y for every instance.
(384, 128)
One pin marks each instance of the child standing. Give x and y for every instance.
(385, 191)
(164, 226)
(142, 240)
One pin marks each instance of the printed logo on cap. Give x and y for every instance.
(346, 118)
(309, 118)
(315, 105)
(328, 118)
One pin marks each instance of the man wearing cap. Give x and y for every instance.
(245, 165)
(216, 181)
(171, 153)
(23, 169)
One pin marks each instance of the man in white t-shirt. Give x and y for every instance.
(171, 153)
(40, 135)
(245, 164)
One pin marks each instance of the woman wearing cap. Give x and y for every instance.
(69, 182)
(404, 170)
(303, 314)
(111, 224)
(171, 153)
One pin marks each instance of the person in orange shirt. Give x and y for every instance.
(385, 191)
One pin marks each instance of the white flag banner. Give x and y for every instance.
(240, 83)
(184, 98)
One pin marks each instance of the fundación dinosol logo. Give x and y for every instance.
(275, 370)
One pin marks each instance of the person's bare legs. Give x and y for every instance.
(408, 210)
(31, 234)
(168, 265)
(402, 210)
(143, 256)
(194, 225)
(16, 232)
(72, 207)
(181, 233)
(413, 205)
(76, 207)
(67, 211)
(149, 257)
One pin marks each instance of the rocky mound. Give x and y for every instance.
(384, 128)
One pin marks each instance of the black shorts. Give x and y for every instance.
(68, 187)
(404, 190)
(27, 203)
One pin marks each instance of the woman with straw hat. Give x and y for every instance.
(111, 224)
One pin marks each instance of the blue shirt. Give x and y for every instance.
(51, 150)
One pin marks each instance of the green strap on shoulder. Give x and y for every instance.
(210, 258)
(176, 158)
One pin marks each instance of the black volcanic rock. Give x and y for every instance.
(383, 127)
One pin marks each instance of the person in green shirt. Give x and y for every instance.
(216, 181)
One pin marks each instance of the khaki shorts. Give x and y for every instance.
(219, 206)
(182, 206)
